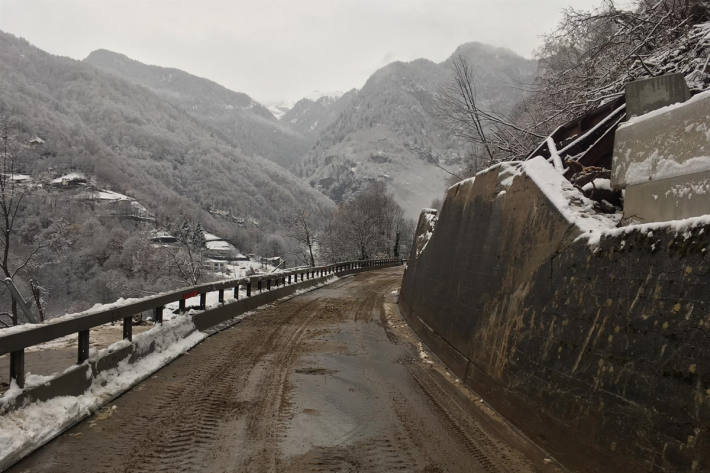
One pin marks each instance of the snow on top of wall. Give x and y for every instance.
(578, 210)
(683, 226)
(569, 201)
(507, 171)
(667, 142)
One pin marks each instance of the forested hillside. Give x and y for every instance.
(240, 120)
(390, 130)
(311, 117)
(137, 142)
(62, 115)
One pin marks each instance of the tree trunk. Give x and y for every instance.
(310, 250)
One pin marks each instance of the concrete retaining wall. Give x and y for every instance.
(601, 355)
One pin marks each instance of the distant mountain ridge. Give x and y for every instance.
(140, 143)
(377, 134)
(311, 116)
(244, 122)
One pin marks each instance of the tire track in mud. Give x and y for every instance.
(491, 454)
(267, 417)
(172, 426)
(189, 447)
(226, 405)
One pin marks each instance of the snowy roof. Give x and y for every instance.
(218, 245)
(212, 237)
(18, 177)
(110, 195)
(71, 177)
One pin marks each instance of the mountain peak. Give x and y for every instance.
(475, 50)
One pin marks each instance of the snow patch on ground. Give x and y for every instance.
(423, 354)
(598, 183)
(36, 423)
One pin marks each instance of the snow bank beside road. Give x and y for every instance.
(23, 429)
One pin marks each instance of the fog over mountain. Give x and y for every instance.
(311, 116)
(140, 142)
(338, 144)
(395, 112)
(241, 120)
(342, 143)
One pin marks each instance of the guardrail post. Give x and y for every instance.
(289, 279)
(83, 353)
(249, 289)
(221, 296)
(17, 367)
(268, 284)
(128, 328)
(181, 307)
(203, 300)
(236, 292)
(158, 314)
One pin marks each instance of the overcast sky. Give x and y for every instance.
(279, 50)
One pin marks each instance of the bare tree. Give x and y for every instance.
(39, 297)
(592, 54)
(458, 106)
(12, 195)
(364, 227)
(301, 229)
(187, 259)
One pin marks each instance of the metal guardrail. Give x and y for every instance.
(16, 341)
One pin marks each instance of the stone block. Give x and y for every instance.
(668, 199)
(646, 95)
(653, 153)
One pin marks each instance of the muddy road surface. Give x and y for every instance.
(332, 381)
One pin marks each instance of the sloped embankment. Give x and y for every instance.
(594, 340)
